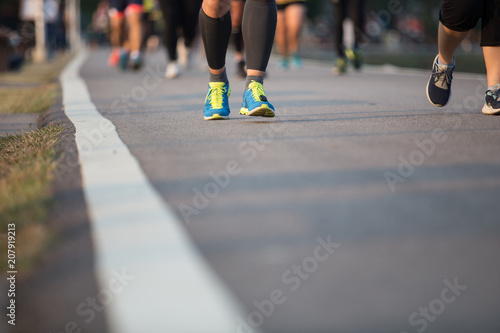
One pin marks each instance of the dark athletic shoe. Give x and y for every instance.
(439, 85)
(241, 70)
(135, 63)
(123, 60)
(492, 101)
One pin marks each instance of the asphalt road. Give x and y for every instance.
(406, 194)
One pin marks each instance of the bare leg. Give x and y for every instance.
(294, 18)
(237, 13)
(116, 31)
(216, 8)
(135, 31)
(448, 41)
(236, 19)
(492, 60)
(280, 37)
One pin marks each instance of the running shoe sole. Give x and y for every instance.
(216, 117)
(490, 111)
(262, 111)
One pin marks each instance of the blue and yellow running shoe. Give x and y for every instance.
(255, 102)
(216, 102)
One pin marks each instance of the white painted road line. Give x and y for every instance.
(167, 286)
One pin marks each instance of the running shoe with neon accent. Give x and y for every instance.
(255, 102)
(114, 57)
(439, 85)
(217, 101)
(341, 67)
(492, 101)
(354, 57)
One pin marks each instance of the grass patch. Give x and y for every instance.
(27, 164)
(28, 161)
(27, 99)
(33, 89)
(37, 73)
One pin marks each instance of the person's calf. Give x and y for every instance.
(259, 27)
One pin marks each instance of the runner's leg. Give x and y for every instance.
(215, 28)
(259, 27)
(294, 19)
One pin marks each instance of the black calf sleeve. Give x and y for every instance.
(215, 33)
(259, 26)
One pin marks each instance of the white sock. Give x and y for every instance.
(494, 86)
(135, 54)
(442, 64)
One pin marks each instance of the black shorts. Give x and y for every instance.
(463, 15)
(283, 6)
(121, 5)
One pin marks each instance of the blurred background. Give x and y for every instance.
(400, 33)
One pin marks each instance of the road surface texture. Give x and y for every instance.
(359, 208)
(13, 124)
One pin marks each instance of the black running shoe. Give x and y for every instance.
(123, 60)
(439, 85)
(241, 69)
(135, 63)
(492, 100)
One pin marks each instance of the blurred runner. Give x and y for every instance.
(237, 7)
(457, 18)
(258, 26)
(51, 12)
(100, 22)
(290, 18)
(126, 50)
(179, 15)
(355, 9)
(151, 14)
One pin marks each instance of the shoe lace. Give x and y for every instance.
(257, 91)
(216, 94)
(439, 73)
(495, 92)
